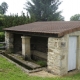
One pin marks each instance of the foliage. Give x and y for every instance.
(3, 8)
(0, 10)
(9, 71)
(14, 20)
(2, 36)
(44, 10)
(1, 23)
(76, 17)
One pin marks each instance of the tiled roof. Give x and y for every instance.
(49, 27)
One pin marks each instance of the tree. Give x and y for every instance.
(3, 8)
(76, 17)
(0, 10)
(44, 10)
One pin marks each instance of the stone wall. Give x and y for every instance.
(58, 53)
(9, 40)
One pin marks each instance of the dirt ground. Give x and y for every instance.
(46, 74)
(42, 74)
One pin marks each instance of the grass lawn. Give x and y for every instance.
(9, 71)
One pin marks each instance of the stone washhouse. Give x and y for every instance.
(57, 42)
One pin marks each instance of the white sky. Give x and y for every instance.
(68, 7)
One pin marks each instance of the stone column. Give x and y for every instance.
(26, 47)
(9, 40)
(57, 56)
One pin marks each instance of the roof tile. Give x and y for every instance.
(50, 27)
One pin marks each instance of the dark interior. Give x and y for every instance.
(39, 48)
(17, 43)
(39, 44)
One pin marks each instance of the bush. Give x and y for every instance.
(14, 20)
(2, 36)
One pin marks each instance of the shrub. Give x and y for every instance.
(14, 20)
(2, 36)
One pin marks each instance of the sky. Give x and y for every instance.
(68, 7)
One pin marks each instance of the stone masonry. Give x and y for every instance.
(58, 53)
(9, 40)
(26, 51)
(57, 48)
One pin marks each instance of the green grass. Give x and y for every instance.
(41, 63)
(1, 45)
(9, 71)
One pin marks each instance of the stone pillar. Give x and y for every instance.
(57, 61)
(26, 47)
(9, 40)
